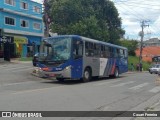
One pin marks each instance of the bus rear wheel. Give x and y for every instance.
(87, 75)
(116, 73)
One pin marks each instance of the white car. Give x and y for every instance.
(154, 69)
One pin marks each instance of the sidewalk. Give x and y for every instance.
(4, 62)
(130, 72)
(12, 61)
(18, 61)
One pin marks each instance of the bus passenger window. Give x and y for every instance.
(117, 54)
(77, 49)
(107, 52)
(111, 52)
(89, 49)
(96, 50)
(86, 49)
(125, 53)
(122, 55)
(102, 49)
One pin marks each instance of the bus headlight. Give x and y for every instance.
(67, 68)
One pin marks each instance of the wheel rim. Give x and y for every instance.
(116, 73)
(86, 74)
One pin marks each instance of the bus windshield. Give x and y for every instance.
(57, 49)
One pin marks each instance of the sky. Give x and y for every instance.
(133, 12)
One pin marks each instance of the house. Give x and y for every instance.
(152, 42)
(21, 26)
(148, 52)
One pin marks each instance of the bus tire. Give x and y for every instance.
(87, 75)
(60, 79)
(34, 64)
(116, 73)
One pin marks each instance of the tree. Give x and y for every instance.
(97, 19)
(131, 45)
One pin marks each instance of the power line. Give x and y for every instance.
(144, 7)
(130, 9)
(131, 12)
(138, 2)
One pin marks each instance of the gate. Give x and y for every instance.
(7, 51)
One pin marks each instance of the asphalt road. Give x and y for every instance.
(20, 91)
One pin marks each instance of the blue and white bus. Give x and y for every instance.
(77, 57)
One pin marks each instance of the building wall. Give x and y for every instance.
(17, 7)
(149, 52)
(18, 26)
(29, 33)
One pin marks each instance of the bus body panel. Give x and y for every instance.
(103, 66)
(93, 63)
(76, 69)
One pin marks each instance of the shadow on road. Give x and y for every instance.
(75, 82)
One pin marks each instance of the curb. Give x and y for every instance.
(16, 61)
(131, 72)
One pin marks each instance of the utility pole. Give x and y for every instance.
(141, 43)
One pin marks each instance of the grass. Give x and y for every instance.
(25, 59)
(135, 61)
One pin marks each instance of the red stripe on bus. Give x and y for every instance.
(113, 67)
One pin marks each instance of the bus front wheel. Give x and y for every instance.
(60, 79)
(87, 75)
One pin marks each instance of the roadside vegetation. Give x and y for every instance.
(135, 60)
(25, 59)
(90, 18)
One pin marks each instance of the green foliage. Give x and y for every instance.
(131, 45)
(97, 19)
(135, 61)
(25, 59)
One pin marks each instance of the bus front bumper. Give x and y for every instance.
(65, 73)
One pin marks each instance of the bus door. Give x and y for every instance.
(77, 55)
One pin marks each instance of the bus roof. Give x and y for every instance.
(88, 39)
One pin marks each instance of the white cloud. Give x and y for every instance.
(133, 12)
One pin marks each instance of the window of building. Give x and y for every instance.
(9, 21)
(10, 2)
(24, 5)
(36, 9)
(36, 26)
(24, 23)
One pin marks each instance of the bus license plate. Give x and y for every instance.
(52, 75)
